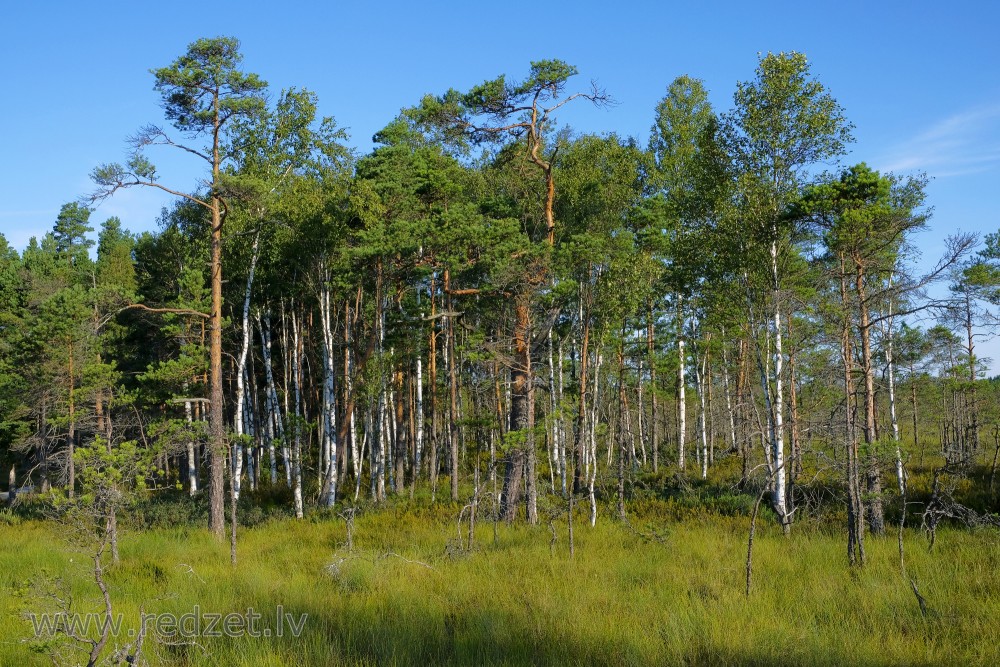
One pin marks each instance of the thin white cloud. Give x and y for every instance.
(964, 143)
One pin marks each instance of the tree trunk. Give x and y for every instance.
(654, 441)
(623, 414)
(299, 417)
(561, 424)
(873, 476)
(793, 407)
(71, 435)
(699, 378)
(727, 390)
(681, 382)
(274, 426)
(519, 409)
(432, 380)
(453, 389)
(779, 498)
(592, 432)
(241, 364)
(328, 409)
(891, 371)
(579, 433)
(553, 448)
(218, 446)
(400, 442)
(973, 438)
(192, 463)
(855, 507)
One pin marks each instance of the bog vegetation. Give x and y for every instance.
(499, 392)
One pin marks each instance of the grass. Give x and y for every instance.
(405, 595)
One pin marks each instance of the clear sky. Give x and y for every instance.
(920, 80)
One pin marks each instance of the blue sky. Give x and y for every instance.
(920, 80)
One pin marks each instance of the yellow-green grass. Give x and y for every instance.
(407, 596)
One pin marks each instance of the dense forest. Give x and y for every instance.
(494, 313)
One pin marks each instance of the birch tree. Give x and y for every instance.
(784, 123)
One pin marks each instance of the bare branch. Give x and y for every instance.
(152, 135)
(447, 313)
(115, 178)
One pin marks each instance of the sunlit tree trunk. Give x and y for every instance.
(274, 429)
(681, 382)
(553, 449)
(873, 478)
(779, 498)
(453, 393)
(71, 433)
(580, 444)
(654, 441)
(519, 410)
(699, 375)
(727, 390)
(592, 432)
(299, 418)
(328, 410)
(241, 365)
(855, 507)
(287, 367)
(432, 380)
(891, 376)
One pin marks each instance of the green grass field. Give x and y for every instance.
(407, 595)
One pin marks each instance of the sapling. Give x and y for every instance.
(112, 478)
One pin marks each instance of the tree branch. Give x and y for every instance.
(173, 311)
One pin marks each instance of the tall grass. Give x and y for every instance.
(406, 595)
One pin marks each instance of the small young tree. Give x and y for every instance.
(111, 478)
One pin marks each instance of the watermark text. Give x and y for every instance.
(170, 626)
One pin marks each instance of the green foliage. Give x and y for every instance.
(784, 121)
(123, 466)
(209, 69)
(783, 124)
(867, 214)
(70, 232)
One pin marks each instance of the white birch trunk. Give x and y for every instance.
(778, 455)
(561, 441)
(891, 367)
(383, 428)
(728, 393)
(699, 375)
(192, 463)
(418, 446)
(372, 426)
(285, 450)
(592, 472)
(391, 435)
(639, 413)
(765, 385)
(681, 403)
(297, 438)
(553, 450)
(357, 449)
(241, 365)
(249, 428)
(329, 409)
(276, 425)
(379, 468)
